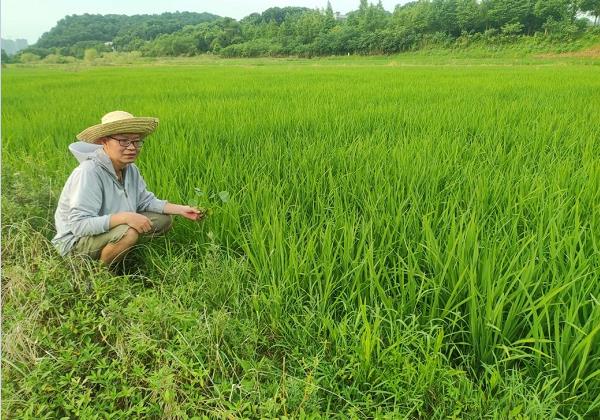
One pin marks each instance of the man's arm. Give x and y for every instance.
(137, 221)
(147, 201)
(188, 212)
(85, 202)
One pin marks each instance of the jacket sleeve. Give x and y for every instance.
(85, 204)
(146, 200)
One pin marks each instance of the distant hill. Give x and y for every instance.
(304, 32)
(13, 46)
(121, 29)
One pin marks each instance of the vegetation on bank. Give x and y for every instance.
(516, 50)
(303, 32)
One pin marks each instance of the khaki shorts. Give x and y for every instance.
(92, 245)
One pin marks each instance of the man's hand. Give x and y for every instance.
(188, 212)
(191, 213)
(139, 222)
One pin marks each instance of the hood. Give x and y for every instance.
(83, 151)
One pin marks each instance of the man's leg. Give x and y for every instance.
(114, 252)
(108, 247)
(161, 223)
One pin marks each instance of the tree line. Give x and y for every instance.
(313, 32)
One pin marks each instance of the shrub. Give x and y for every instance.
(512, 29)
(90, 54)
(54, 59)
(29, 58)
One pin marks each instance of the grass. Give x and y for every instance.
(404, 241)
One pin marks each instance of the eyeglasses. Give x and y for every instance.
(127, 142)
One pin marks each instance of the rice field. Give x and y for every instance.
(414, 241)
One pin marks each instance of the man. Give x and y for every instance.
(104, 207)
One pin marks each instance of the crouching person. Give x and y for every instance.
(105, 208)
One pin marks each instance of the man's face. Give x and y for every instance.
(123, 148)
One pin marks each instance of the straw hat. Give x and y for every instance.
(118, 122)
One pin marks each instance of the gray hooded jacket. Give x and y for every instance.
(92, 193)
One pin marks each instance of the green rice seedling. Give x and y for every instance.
(208, 203)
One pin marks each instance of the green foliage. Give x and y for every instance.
(561, 29)
(501, 12)
(592, 7)
(120, 58)
(58, 59)
(122, 30)
(278, 15)
(209, 203)
(254, 48)
(90, 54)
(205, 37)
(5, 58)
(28, 57)
(306, 32)
(512, 29)
(40, 52)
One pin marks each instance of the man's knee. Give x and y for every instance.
(161, 223)
(164, 223)
(129, 238)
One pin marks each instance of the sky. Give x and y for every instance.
(29, 19)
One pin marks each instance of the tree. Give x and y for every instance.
(469, 16)
(369, 17)
(592, 7)
(298, 30)
(417, 16)
(278, 14)
(501, 12)
(444, 17)
(5, 58)
(329, 17)
(558, 10)
(122, 30)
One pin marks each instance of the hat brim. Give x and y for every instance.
(136, 125)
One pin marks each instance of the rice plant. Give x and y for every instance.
(412, 241)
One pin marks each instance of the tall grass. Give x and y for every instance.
(413, 240)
